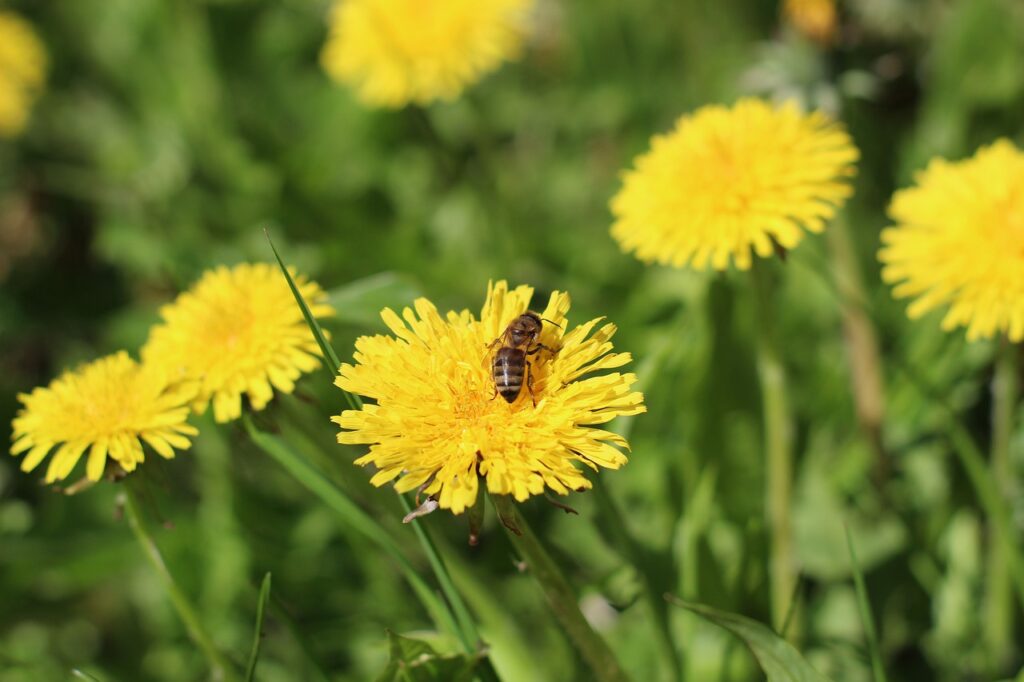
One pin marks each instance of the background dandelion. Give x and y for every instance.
(730, 182)
(397, 52)
(237, 332)
(22, 72)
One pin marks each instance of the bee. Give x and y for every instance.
(510, 365)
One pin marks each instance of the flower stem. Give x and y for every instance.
(219, 668)
(560, 595)
(778, 444)
(998, 606)
(986, 487)
(861, 342)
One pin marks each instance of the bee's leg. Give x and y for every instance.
(540, 346)
(529, 384)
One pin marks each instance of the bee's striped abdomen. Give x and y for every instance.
(508, 368)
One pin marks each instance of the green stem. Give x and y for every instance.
(992, 502)
(467, 631)
(560, 595)
(998, 605)
(861, 342)
(219, 668)
(866, 617)
(619, 531)
(778, 445)
(996, 508)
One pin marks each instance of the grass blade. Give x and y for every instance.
(257, 638)
(82, 675)
(352, 516)
(878, 671)
(330, 358)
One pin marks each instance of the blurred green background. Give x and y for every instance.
(171, 133)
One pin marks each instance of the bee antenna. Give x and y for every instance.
(553, 322)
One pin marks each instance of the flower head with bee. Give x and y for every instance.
(439, 424)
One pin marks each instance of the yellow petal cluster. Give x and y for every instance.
(394, 52)
(22, 71)
(238, 331)
(108, 407)
(731, 180)
(816, 19)
(437, 422)
(958, 241)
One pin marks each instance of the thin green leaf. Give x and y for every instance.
(82, 675)
(330, 358)
(257, 638)
(777, 658)
(352, 516)
(865, 611)
(413, 660)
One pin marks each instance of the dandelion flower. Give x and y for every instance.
(22, 70)
(238, 330)
(815, 19)
(959, 242)
(394, 52)
(439, 424)
(108, 407)
(728, 181)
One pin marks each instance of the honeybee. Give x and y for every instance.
(509, 365)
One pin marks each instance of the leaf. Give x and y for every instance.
(82, 675)
(777, 658)
(413, 660)
(257, 638)
(361, 301)
(330, 358)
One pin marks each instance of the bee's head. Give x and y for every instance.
(525, 328)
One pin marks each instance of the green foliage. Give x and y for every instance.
(171, 134)
(413, 660)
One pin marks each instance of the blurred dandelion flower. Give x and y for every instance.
(959, 241)
(730, 180)
(238, 331)
(394, 52)
(106, 406)
(438, 422)
(22, 70)
(816, 19)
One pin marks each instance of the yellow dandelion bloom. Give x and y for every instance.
(959, 242)
(109, 407)
(816, 19)
(439, 423)
(394, 52)
(22, 71)
(728, 181)
(238, 330)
